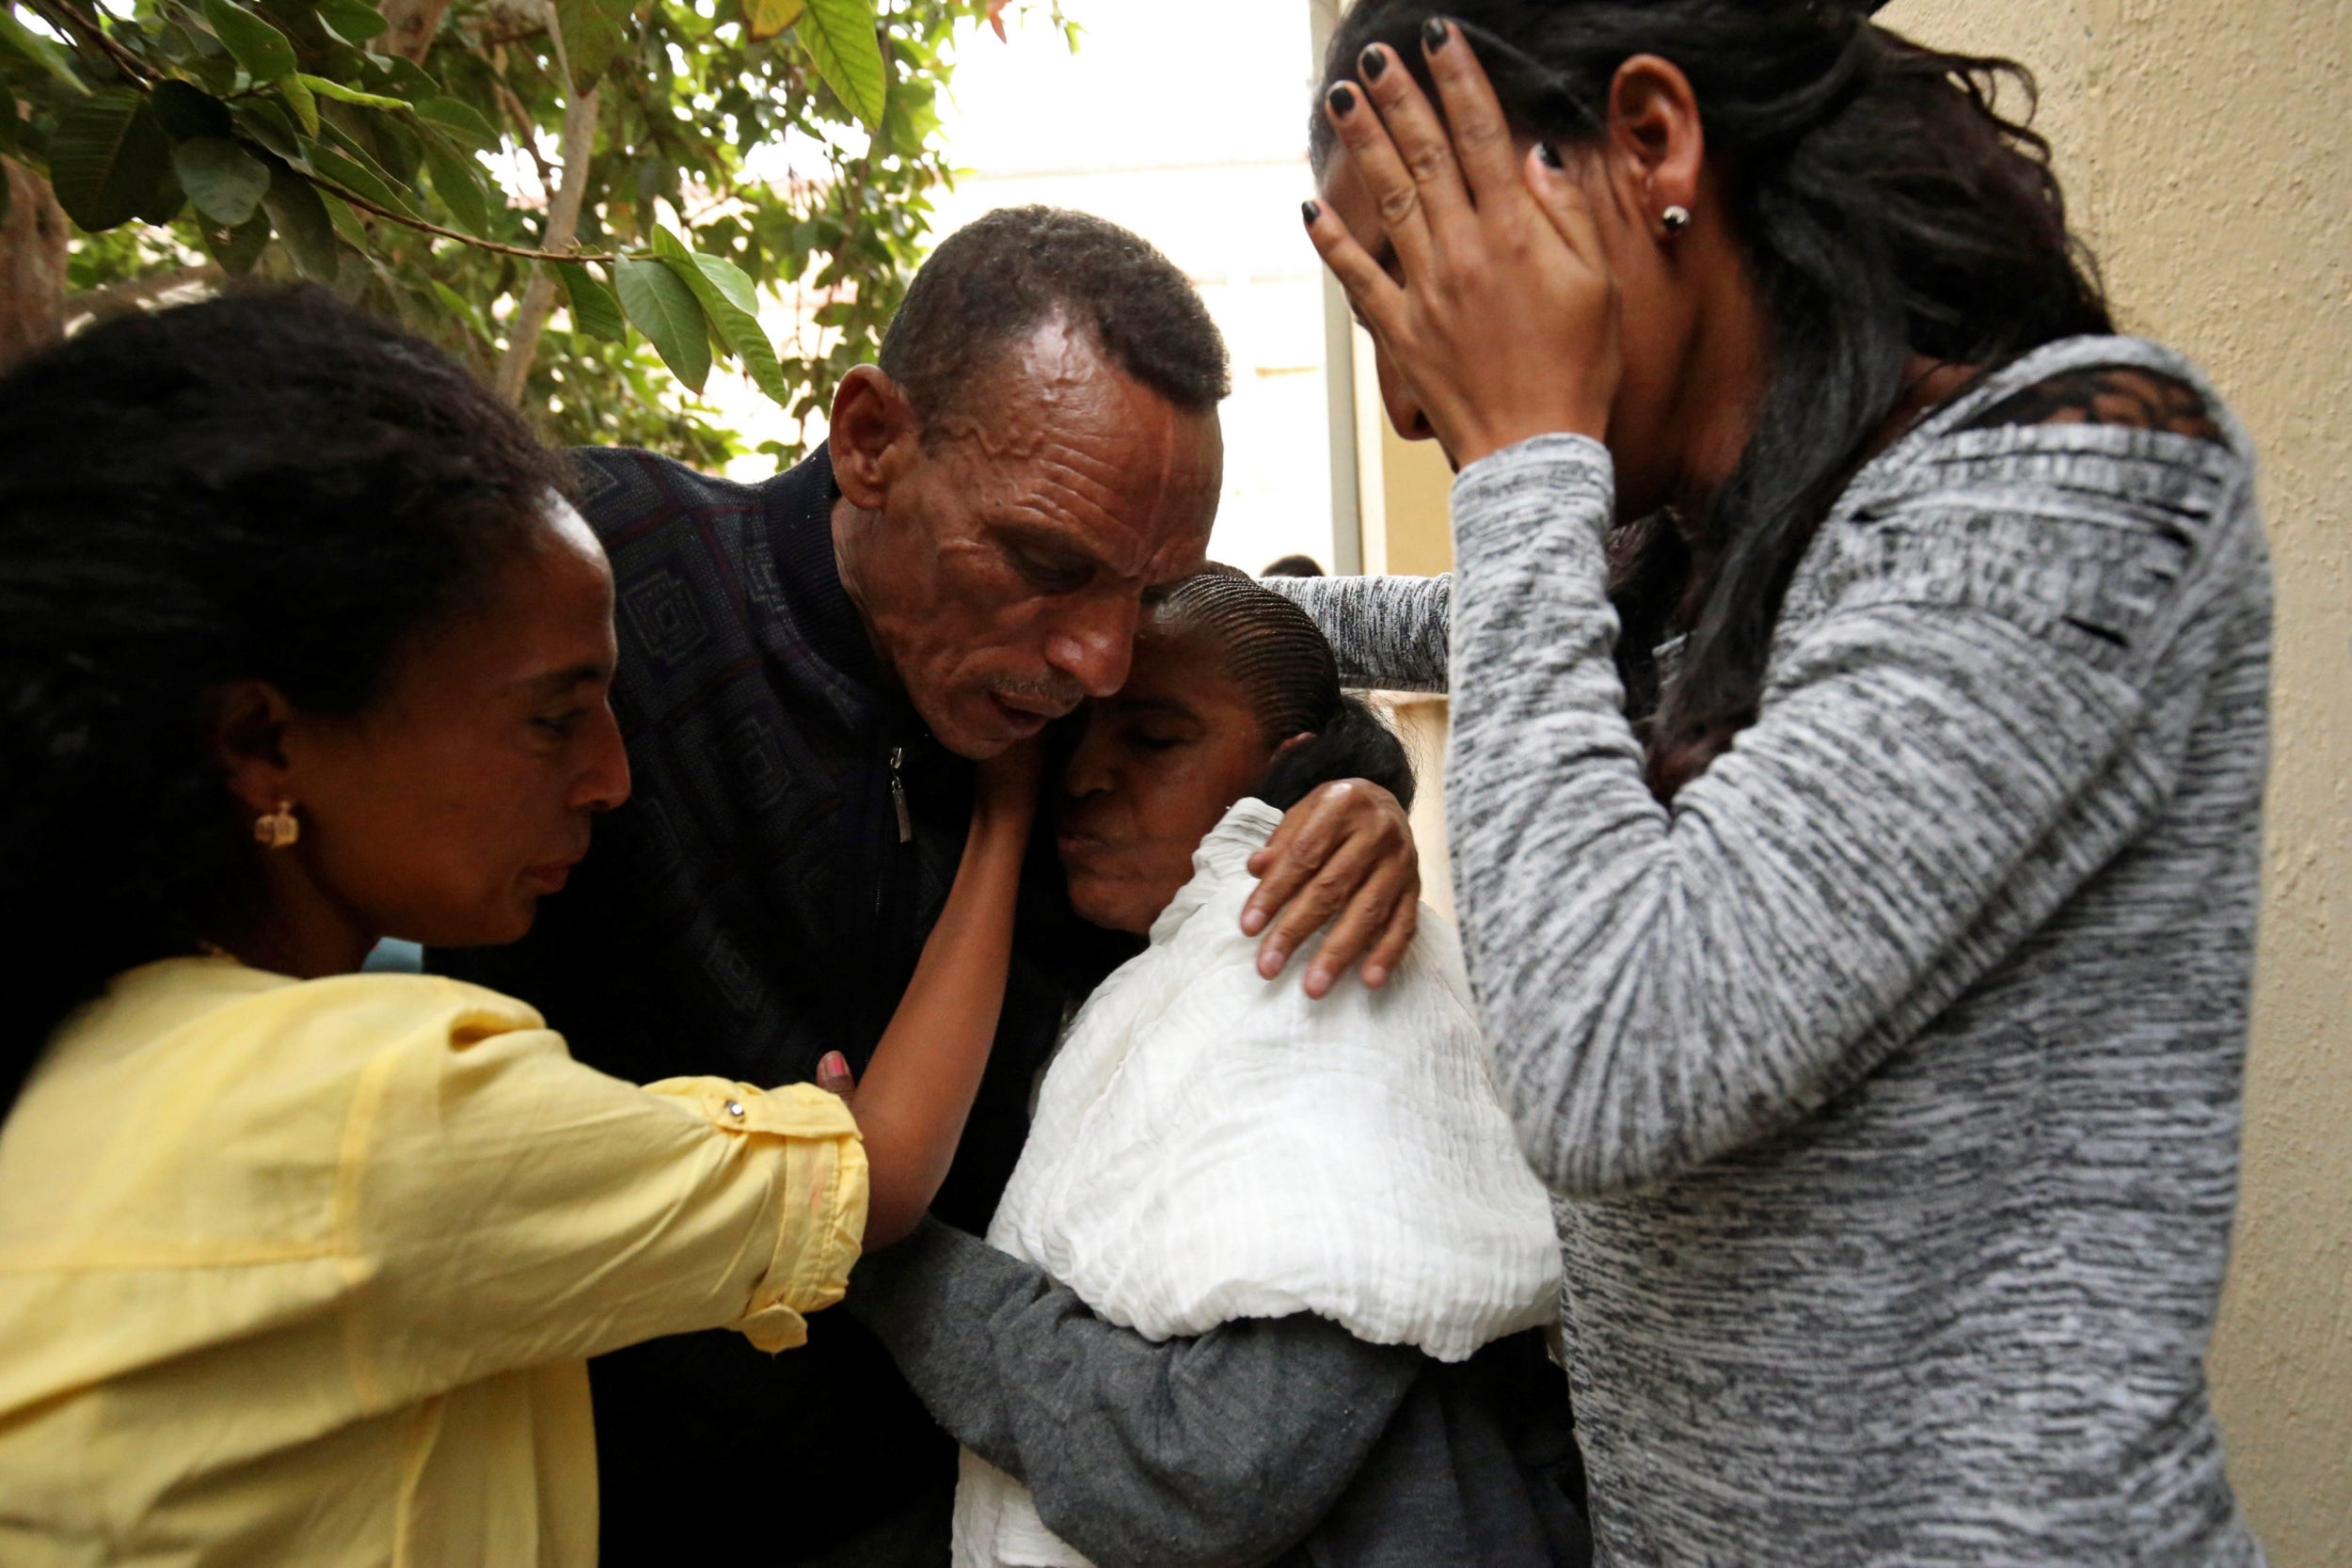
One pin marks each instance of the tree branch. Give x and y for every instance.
(120, 299)
(63, 17)
(524, 252)
(538, 302)
(414, 22)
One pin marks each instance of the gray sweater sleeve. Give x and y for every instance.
(1389, 633)
(1226, 1448)
(1663, 986)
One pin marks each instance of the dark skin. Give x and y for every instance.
(446, 809)
(1511, 297)
(1003, 560)
(1155, 768)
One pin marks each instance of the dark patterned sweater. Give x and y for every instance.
(750, 909)
(1889, 1080)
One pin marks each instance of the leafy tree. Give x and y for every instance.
(645, 167)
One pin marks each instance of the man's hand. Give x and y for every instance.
(1344, 851)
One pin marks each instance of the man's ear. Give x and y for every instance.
(246, 730)
(874, 433)
(1292, 744)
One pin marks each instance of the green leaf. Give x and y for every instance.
(349, 225)
(460, 121)
(352, 20)
(765, 18)
(295, 90)
(299, 214)
(665, 311)
(595, 33)
(184, 110)
(106, 158)
(224, 181)
(40, 51)
(358, 178)
(237, 247)
(166, 203)
(726, 299)
(839, 37)
(457, 181)
(342, 94)
(266, 123)
(593, 310)
(256, 45)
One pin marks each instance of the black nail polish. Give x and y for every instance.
(1434, 33)
(1550, 154)
(1371, 62)
(1310, 210)
(1343, 101)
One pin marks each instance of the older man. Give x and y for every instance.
(807, 667)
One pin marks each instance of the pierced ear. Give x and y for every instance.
(873, 427)
(1655, 132)
(245, 727)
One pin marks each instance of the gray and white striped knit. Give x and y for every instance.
(1889, 1083)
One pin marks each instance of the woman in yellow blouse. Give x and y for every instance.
(301, 646)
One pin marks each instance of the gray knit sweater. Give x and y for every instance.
(1888, 1082)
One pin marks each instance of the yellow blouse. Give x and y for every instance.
(305, 1273)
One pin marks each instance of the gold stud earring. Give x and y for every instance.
(276, 828)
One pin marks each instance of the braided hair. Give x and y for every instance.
(1268, 647)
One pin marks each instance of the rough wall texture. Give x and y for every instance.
(2207, 148)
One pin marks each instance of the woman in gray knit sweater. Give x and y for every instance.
(1858, 662)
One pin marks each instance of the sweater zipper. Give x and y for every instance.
(899, 809)
(898, 794)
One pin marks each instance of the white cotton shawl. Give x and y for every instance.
(1211, 1146)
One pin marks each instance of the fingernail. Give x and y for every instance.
(1318, 982)
(1371, 62)
(1253, 920)
(1375, 977)
(1549, 155)
(1270, 962)
(835, 1064)
(1310, 211)
(1343, 101)
(1434, 33)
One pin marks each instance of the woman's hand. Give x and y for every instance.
(1004, 787)
(1505, 323)
(1346, 850)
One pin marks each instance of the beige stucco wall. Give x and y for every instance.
(2206, 146)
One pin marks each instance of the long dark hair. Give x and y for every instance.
(1887, 207)
(273, 486)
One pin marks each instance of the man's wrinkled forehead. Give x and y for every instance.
(1061, 437)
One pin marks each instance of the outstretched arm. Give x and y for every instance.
(1389, 634)
(1224, 1448)
(918, 1087)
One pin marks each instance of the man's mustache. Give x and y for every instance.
(1061, 693)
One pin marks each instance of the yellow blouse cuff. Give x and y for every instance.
(820, 1227)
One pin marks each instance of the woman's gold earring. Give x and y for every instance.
(276, 828)
(1677, 219)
